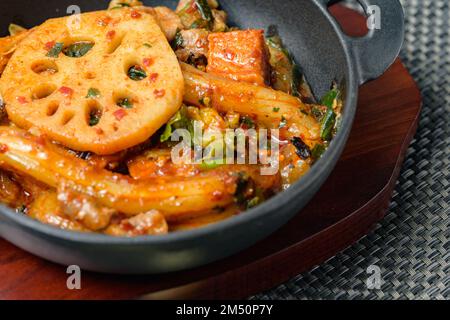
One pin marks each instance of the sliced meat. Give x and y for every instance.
(145, 224)
(84, 209)
(239, 55)
(192, 45)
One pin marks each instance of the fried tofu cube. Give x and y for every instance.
(239, 55)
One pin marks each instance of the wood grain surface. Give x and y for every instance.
(346, 208)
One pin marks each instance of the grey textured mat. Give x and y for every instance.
(411, 245)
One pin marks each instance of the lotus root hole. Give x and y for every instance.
(43, 91)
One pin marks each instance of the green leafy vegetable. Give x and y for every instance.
(93, 93)
(78, 49)
(327, 125)
(276, 109)
(286, 72)
(318, 151)
(329, 99)
(136, 73)
(328, 122)
(180, 120)
(55, 50)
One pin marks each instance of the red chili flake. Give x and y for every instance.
(49, 45)
(159, 93)
(120, 114)
(153, 77)
(66, 91)
(110, 35)
(99, 131)
(135, 14)
(148, 62)
(22, 100)
(41, 139)
(3, 148)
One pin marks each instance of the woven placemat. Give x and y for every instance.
(411, 246)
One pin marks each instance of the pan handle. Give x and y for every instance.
(375, 52)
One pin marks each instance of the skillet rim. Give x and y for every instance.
(270, 206)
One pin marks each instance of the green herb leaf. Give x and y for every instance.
(93, 93)
(179, 121)
(55, 50)
(148, 45)
(329, 99)
(318, 151)
(136, 73)
(327, 125)
(125, 103)
(276, 109)
(78, 49)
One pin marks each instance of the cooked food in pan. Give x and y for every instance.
(142, 121)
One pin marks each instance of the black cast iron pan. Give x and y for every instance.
(324, 53)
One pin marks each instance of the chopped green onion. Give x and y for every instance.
(78, 49)
(179, 121)
(136, 73)
(55, 50)
(93, 93)
(125, 103)
(327, 125)
(318, 151)
(329, 99)
(94, 118)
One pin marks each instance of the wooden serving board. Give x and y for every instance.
(355, 197)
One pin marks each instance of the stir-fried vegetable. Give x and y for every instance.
(179, 121)
(237, 80)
